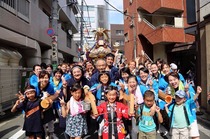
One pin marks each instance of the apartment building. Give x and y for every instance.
(23, 26)
(117, 36)
(157, 28)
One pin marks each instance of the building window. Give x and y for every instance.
(119, 32)
(23, 7)
(18, 7)
(87, 8)
(89, 20)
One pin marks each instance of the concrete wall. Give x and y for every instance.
(159, 52)
(35, 28)
(204, 11)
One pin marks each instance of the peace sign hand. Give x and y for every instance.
(62, 102)
(20, 96)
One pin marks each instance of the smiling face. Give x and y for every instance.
(37, 70)
(58, 75)
(64, 68)
(77, 73)
(132, 65)
(125, 76)
(104, 79)
(154, 68)
(30, 95)
(49, 70)
(166, 69)
(173, 81)
(77, 94)
(44, 80)
(100, 65)
(143, 75)
(132, 83)
(109, 61)
(111, 96)
(179, 100)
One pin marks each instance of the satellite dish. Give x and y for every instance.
(116, 44)
(70, 32)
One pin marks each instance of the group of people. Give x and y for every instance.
(111, 84)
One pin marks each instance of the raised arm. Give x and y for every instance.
(199, 90)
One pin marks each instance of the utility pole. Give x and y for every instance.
(81, 30)
(134, 35)
(54, 14)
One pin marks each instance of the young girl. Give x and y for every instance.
(123, 81)
(113, 112)
(31, 105)
(76, 124)
(99, 88)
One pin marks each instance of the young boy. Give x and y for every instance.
(147, 111)
(180, 114)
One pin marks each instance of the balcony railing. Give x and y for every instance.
(17, 7)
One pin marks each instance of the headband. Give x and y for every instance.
(29, 90)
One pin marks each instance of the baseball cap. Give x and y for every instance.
(180, 93)
(173, 66)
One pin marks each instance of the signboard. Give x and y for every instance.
(50, 32)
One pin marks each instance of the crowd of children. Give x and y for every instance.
(59, 95)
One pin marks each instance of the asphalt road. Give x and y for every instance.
(11, 125)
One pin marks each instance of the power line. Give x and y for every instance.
(115, 9)
(88, 14)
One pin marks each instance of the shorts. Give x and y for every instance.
(194, 132)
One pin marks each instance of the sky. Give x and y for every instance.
(114, 16)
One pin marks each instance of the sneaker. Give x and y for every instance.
(158, 131)
(165, 133)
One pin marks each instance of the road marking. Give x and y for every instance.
(204, 130)
(17, 135)
(4, 123)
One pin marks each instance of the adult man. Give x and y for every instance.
(109, 61)
(100, 66)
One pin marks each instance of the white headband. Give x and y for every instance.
(29, 90)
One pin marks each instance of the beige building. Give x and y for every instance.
(23, 26)
(24, 41)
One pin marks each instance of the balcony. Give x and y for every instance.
(161, 34)
(67, 14)
(167, 6)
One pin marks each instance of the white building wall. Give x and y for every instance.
(94, 25)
